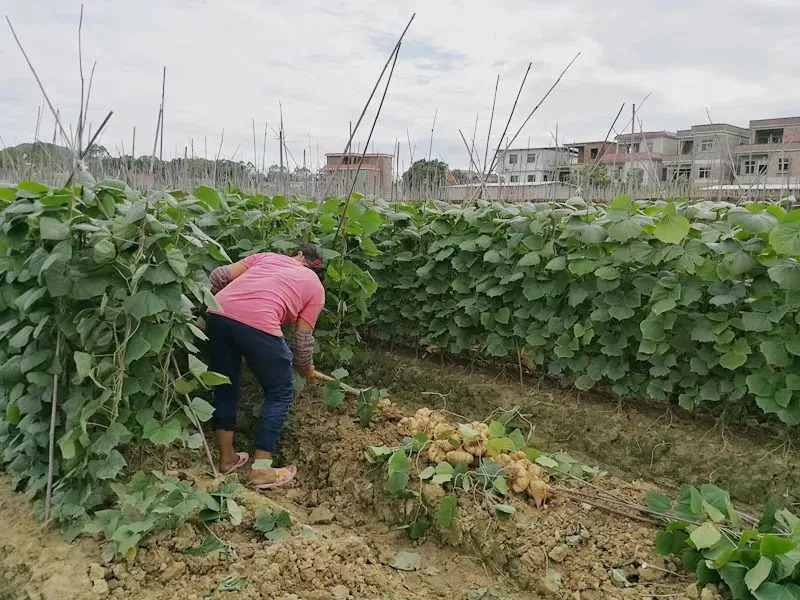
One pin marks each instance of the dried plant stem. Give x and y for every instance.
(48, 496)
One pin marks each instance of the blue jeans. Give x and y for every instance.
(269, 358)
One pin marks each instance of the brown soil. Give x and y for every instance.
(631, 439)
(566, 550)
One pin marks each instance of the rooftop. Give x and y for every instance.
(646, 134)
(358, 154)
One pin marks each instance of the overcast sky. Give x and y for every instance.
(229, 62)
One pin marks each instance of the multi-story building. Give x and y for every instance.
(771, 155)
(374, 176)
(640, 156)
(535, 165)
(705, 154)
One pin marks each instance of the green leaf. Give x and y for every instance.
(427, 473)
(559, 263)
(758, 574)
(20, 339)
(398, 462)
(332, 394)
(144, 303)
(773, 545)
(775, 353)
(211, 379)
(705, 536)
(53, 229)
(83, 366)
(658, 502)
(202, 409)
(163, 435)
(504, 510)
(209, 196)
(607, 273)
(672, 229)
(448, 509)
(177, 261)
(622, 231)
(502, 315)
(136, 349)
(496, 345)
(531, 259)
(339, 373)
(732, 360)
(104, 251)
(785, 238)
(752, 222)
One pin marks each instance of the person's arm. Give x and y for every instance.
(303, 348)
(222, 276)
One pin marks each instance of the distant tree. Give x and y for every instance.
(463, 177)
(590, 175)
(425, 172)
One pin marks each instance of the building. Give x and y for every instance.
(640, 157)
(591, 152)
(705, 154)
(771, 155)
(535, 165)
(374, 176)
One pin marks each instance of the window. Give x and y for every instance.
(704, 172)
(593, 153)
(512, 159)
(687, 146)
(649, 146)
(784, 164)
(531, 178)
(762, 168)
(515, 179)
(633, 148)
(769, 136)
(531, 157)
(749, 167)
(545, 177)
(706, 145)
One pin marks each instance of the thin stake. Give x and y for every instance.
(48, 496)
(89, 145)
(81, 116)
(489, 133)
(511, 114)
(430, 146)
(535, 108)
(347, 147)
(41, 87)
(163, 89)
(369, 137)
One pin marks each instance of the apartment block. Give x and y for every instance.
(771, 154)
(705, 154)
(641, 156)
(535, 165)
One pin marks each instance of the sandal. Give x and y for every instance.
(242, 458)
(285, 475)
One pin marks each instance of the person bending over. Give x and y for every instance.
(258, 295)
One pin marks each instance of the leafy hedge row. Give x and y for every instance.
(695, 302)
(100, 291)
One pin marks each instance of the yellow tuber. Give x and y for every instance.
(537, 490)
(455, 457)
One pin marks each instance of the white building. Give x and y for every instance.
(535, 165)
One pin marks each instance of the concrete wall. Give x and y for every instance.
(511, 193)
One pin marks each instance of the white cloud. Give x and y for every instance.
(228, 63)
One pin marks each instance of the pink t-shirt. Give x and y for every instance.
(275, 290)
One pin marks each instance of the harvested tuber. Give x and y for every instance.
(455, 457)
(537, 490)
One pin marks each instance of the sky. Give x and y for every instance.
(230, 64)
